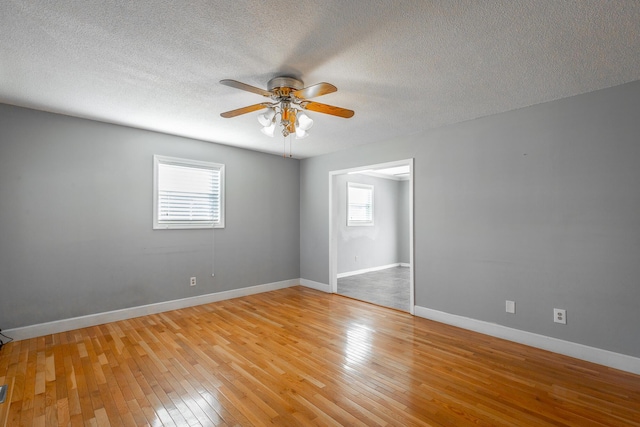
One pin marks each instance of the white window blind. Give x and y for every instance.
(188, 193)
(359, 204)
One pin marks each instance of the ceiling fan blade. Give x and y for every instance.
(315, 90)
(244, 110)
(243, 86)
(327, 109)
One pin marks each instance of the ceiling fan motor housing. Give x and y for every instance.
(279, 83)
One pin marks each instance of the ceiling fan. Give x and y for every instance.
(289, 100)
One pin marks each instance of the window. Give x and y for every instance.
(187, 193)
(359, 204)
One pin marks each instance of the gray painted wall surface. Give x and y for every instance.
(403, 222)
(375, 245)
(539, 205)
(76, 232)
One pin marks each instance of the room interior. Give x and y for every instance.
(520, 120)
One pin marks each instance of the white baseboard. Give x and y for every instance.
(567, 348)
(367, 270)
(405, 264)
(315, 285)
(64, 325)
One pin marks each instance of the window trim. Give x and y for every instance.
(360, 223)
(157, 224)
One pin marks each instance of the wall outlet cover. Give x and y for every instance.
(560, 315)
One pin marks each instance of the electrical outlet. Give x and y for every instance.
(192, 282)
(511, 306)
(560, 315)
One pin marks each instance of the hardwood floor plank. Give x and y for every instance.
(302, 357)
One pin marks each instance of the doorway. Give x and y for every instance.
(373, 261)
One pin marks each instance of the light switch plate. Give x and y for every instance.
(511, 306)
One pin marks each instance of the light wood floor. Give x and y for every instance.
(301, 357)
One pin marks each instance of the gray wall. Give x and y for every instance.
(76, 232)
(540, 205)
(375, 245)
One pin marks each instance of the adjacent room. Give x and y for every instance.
(370, 218)
(319, 213)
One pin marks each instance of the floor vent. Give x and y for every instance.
(3, 393)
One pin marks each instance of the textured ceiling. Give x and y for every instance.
(403, 66)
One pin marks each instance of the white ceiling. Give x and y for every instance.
(403, 66)
(396, 173)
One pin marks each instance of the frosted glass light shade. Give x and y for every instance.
(301, 133)
(267, 118)
(269, 130)
(304, 121)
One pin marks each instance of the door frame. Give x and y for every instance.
(333, 223)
